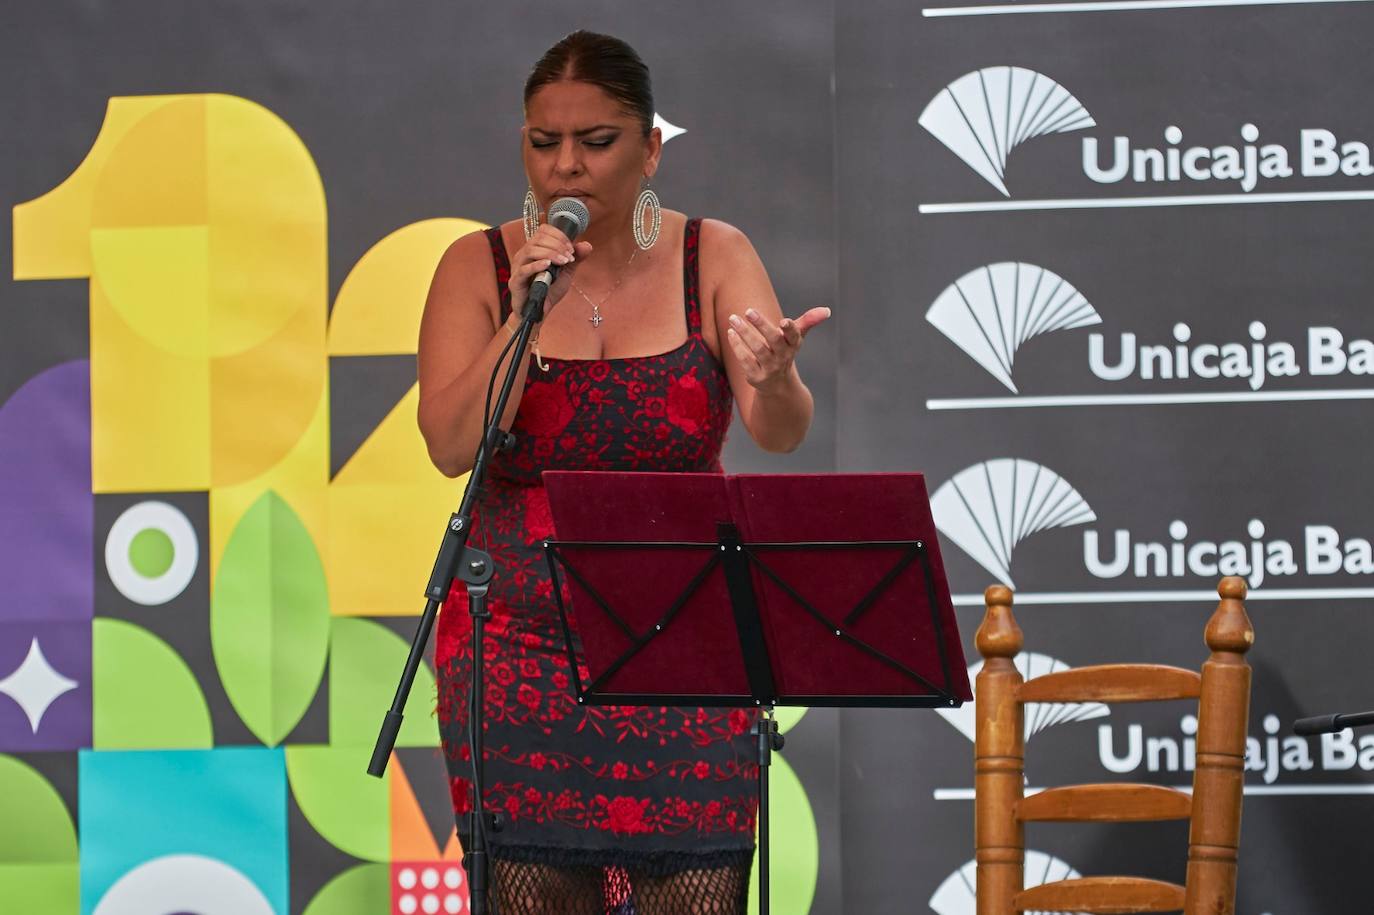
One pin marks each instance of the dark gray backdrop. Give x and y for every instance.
(802, 121)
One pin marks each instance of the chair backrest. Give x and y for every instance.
(1001, 809)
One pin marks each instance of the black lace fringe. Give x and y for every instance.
(648, 863)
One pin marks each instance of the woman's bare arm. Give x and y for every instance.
(758, 345)
(461, 337)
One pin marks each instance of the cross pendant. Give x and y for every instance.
(595, 318)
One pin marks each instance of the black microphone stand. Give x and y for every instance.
(1330, 724)
(474, 567)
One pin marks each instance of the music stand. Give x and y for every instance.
(754, 591)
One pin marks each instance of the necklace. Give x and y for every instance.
(596, 318)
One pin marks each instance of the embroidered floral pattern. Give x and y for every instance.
(618, 814)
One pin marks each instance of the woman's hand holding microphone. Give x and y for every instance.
(548, 246)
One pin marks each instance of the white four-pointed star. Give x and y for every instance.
(669, 129)
(35, 685)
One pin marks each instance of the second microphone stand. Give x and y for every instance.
(1331, 724)
(475, 569)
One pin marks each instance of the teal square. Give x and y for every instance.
(184, 830)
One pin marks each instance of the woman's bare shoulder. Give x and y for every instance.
(725, 250)
(721, 237)
(469, 250)
(467, 264)
(465, 276)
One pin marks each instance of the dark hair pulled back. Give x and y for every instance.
(605, 62)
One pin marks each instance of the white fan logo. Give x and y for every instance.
(984, 115)
(990, 507)
(1038, 715)
(989, 312)
(957, 896)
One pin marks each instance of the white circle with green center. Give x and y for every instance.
(151, 553)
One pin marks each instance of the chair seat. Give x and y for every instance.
(1102, 896)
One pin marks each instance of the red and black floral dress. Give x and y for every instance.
(626, 789)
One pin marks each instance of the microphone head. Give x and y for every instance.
(570, 215)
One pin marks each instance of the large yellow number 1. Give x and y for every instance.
(200, 221)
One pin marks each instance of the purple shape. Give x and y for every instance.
(65, 724)
(47, 524)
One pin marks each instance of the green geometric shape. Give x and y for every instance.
(38, 865)
(364, 660)
(361, 890)
(788, 716)
(151, 552)
(52, 889)
(348, 808)
(269, 619)
(794, 845)
(39, 827)
(143, 696)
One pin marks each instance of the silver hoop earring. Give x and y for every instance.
(531, 213)
(647, 200)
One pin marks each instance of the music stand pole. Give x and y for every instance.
(766, 730)
(475, 568)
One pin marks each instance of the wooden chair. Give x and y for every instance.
(1001, 809)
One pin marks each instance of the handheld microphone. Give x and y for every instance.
(569, 215)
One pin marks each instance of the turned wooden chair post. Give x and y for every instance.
(999, 759)
(1218, 781)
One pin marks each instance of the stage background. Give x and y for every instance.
(1053, 239)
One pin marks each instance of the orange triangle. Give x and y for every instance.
(453, 851)
(411, 839)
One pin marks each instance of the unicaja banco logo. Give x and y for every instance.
(992, 311)
(1318, 153)
(989, 508)
(984, 115)
(989, 312)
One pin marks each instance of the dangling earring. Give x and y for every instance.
(531, 213)
(647, 200)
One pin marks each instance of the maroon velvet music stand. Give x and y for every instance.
(753, 591)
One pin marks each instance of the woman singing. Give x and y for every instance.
(655, 328)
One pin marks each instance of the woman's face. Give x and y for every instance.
(578, 142)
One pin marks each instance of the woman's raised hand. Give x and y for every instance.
(547, 246)
(767, 350)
